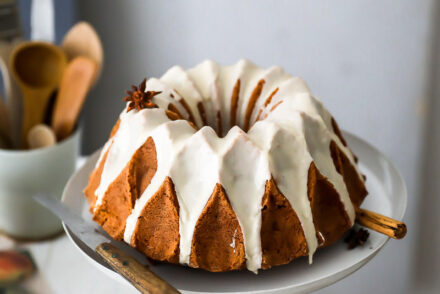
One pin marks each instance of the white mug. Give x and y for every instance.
(25, 173)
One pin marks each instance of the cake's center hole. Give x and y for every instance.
(218, 122)
(240, 113)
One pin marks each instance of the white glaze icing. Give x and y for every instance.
(281, 140)
(296, 131)
(134, 129)
(104, 150)
(250, 181)
(178, 79)
(205, 78)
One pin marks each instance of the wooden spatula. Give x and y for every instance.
(75, 84)
(83, 40)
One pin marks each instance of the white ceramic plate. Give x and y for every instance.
(387, 195)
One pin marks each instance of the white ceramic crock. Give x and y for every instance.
(25, 173)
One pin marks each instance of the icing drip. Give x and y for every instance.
(249, 181)
(170, 139)
(290, 161)
(293, 130)
(205, 78)
(134, 129)
(103, 152)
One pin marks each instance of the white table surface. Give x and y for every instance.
(63, 269)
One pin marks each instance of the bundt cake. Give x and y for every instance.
(225, 168)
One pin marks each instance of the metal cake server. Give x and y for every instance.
(125, 260)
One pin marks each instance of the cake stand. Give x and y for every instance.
(387, 196)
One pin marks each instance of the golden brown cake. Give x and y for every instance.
(225, 168)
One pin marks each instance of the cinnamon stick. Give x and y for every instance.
(380, 223)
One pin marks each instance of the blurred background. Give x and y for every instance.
(374, 64)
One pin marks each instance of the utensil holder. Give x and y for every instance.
(25, 173)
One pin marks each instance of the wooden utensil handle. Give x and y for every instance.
(138, 275)
(380, 223)
(34, 108)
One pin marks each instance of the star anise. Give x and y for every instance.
(139, 99)
(356, 238)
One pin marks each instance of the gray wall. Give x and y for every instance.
(372, 63)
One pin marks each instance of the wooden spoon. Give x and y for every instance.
(38, 68)
(41, 136)
(82, 40)
(74, 86)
